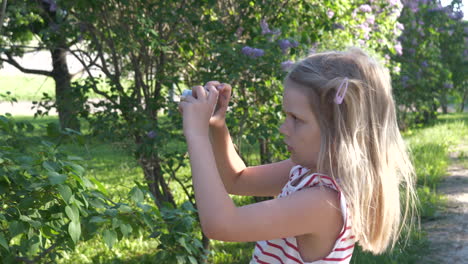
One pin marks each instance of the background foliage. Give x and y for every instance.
(138, 56)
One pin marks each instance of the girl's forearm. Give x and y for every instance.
(214, 205)
(228, 161)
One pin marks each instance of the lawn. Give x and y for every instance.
(36, 86)
(112, 163)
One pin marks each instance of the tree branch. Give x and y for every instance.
(14, 63)
(2, 14)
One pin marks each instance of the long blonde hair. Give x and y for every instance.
(361, 145)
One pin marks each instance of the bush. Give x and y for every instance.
(48, 205)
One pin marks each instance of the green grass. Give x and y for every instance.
(30, 87)
(36, 86)
(113, 164)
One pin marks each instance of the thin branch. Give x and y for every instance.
(94, 86)
(2, 14)
(13, 62)
(32, 48)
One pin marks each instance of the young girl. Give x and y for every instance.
(341, 182)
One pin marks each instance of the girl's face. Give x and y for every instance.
(300, 128)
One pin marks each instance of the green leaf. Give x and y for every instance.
(56, 178)
(79, 170)
(16, 228)
(65, 191)
(110, 237)
(126, 229)
(180, 259)
(125, 208)
(75, 158)
(136, 195)
(99, 185)
(50, 166)
(192, 260)
(73, 213)
(97, 219)
(74, 229)
(181, 241)
(4, 243)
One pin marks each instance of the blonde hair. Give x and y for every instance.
(361, 145)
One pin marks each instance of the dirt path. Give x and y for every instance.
(448, 233)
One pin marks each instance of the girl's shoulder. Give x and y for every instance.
(301, 177)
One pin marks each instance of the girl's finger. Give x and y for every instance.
(213, 96)
(199, 92)
(225, 87)
(188, 98)
(212, 83)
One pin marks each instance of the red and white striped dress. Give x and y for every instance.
(285, 250)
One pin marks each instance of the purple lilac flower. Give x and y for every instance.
(253, 52)
(398, 48)
(413, 6)
(457, 15)
(365, 8)
(387, 57)
(394, 2)
(258, 53)
(353, 15)
(436, 9)
(361, 42)
(294, 44)
(286, 65)
(284, 44)
(370, 20)
(411, 51)
(53, 7)
(365, 27)
(424, 64)
(338, 26)
(151, 134)
(400, 26)
(448, 85)
(54, 27)
(239, 32)
(265, 28)
(330, 14)
(404, 78)
(396, 69)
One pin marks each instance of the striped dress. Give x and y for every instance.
(285, 250)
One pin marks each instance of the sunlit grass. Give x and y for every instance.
(27, 87)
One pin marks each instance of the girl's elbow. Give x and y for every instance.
(215, 230)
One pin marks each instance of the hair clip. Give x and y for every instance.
(340, 94)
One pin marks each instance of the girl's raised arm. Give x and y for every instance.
(263, 180)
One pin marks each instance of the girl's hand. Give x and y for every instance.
(197, 110)
(219, 116)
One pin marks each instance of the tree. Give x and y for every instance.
(42, 21)
(432, 59)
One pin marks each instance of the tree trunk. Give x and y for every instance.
(265, 156)
(443, 103)
(65, 101)
(462, 104)
(155, 180)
